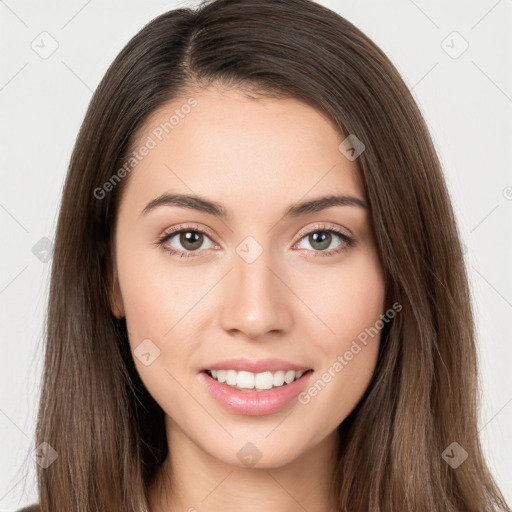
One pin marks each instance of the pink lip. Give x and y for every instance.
(255, 366)
(252, 402)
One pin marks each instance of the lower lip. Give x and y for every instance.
(252, 402)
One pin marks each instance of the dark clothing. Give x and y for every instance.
(32, 508)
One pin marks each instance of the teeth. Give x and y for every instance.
(259, 381)
(231, 377)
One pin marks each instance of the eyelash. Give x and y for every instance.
(347, 240)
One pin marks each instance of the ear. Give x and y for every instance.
(114, 293)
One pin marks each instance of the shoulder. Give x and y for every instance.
(32, 508)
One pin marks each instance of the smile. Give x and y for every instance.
(251, 400)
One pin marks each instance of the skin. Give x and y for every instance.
(256, 157)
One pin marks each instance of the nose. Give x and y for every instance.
(257, 301)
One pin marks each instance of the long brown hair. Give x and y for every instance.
(95, 412)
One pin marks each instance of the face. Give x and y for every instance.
(247, 280)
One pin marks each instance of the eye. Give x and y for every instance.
(322, 241)
(190, 238)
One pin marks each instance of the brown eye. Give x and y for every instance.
(185, 242)
(320, 240)
(191, 240)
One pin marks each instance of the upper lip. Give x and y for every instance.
(256, 365)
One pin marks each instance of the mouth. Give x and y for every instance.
(256, 382)
(255, 394)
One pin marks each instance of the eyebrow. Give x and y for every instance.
(201, 204)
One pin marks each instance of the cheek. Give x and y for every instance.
(160, 320)
(355, 317)
(146, 307)
(346, 299)
(163, 305)
(350, 304)
(156, 300)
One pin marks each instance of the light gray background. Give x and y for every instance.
(467, 103)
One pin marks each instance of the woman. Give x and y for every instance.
(258, 296)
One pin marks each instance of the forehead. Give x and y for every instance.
(251, 152)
